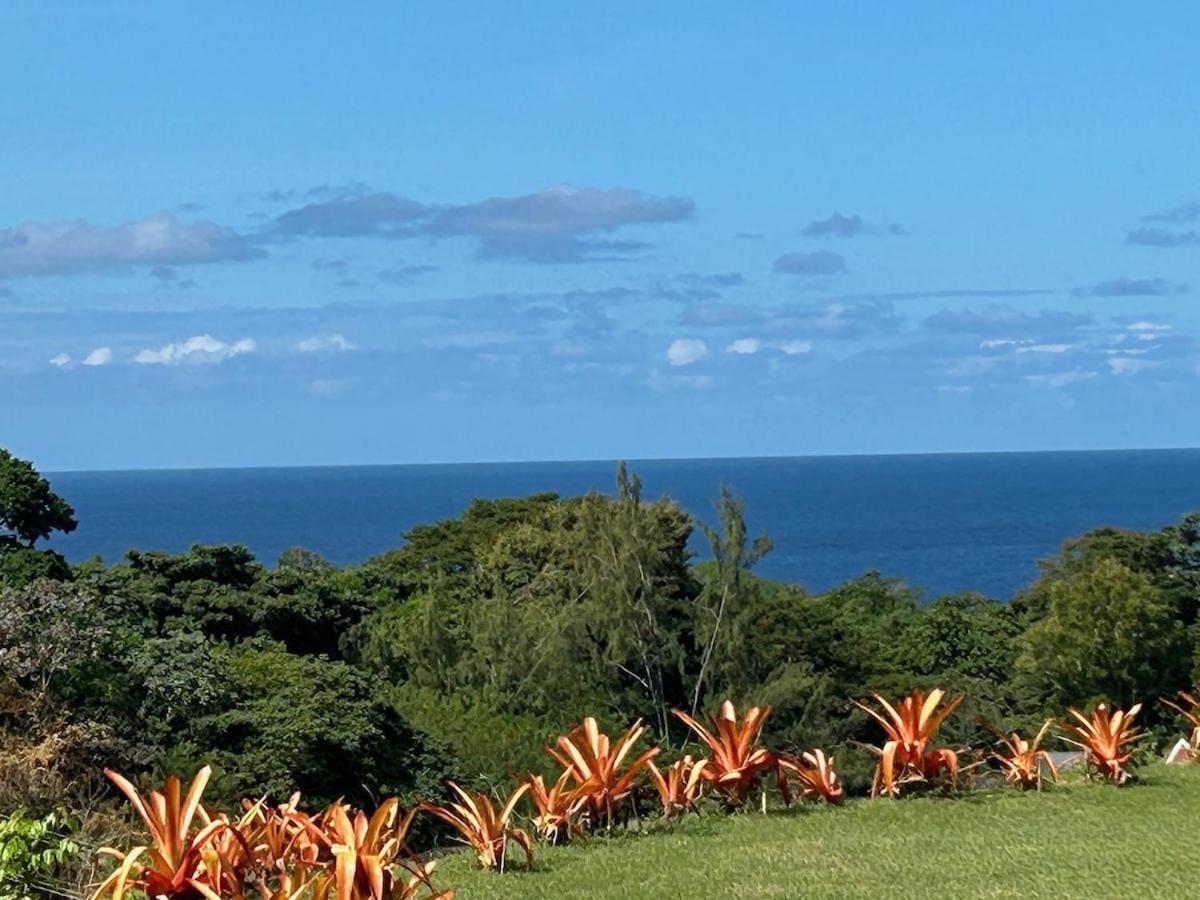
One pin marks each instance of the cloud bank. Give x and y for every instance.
(203, 348)
(68, 248)
(561, 224)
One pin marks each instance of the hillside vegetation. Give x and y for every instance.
(464, 653)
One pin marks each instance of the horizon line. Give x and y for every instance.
(612, 460)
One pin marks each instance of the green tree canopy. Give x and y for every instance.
(1109, 634)
(29, 510)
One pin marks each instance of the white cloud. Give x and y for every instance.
(101, 356)
(203, 348)
(997, 343)
(1045, 348)
(61, 360)
(744, 345)
(319, 344)
(685, 351)
(1126, 365)
(1061, 379)
(747, 346)
(1149, 326)
(794, 348)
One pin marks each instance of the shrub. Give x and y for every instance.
(33, 853)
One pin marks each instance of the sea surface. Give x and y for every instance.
(944, 523)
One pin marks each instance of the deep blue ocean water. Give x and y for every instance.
(944, 523)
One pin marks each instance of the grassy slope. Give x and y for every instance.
(1080, 840)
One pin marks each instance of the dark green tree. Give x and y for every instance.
(1109, 634)
(29, 509)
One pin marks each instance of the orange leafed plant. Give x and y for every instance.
(555, 807)
(678, 786)
(484, 828)
(818, 779)
(910, 727)
(1106, 739)
(737, 760)
(603, 778)
(1023, 761)
(230, 856)
(283, 840)
(172, 864)
(369, 857)
(282, 852)
(1191, 712)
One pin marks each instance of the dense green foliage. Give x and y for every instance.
(29, 510)
(464, 650)
(33, 854)
(1077, 841)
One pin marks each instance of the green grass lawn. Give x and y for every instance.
(1081, 840)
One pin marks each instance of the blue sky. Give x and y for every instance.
(250, 234)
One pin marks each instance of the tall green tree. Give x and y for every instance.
(724, 595)
(29, 509)
(1108, 634)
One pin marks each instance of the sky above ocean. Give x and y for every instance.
(232, 234)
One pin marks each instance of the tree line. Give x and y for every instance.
(462, 651)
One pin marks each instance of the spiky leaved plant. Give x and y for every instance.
(910, 727)
(482, 826)
(1106, 739)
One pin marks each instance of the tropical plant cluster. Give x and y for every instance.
(282, 853)
(480, 640)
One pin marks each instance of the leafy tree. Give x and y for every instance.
(305, 723)
(175, 681)
(47, 631)
(1108, 634)
(33, 853)
(633, 567)
(21, 566)
(304, 562)
(965, 634)
(29, 509)
(805, 655)
(724, 594)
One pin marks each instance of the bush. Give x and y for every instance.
(21, 566)
(33, 854)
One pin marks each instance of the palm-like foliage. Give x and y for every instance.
(817, 777)
(556, 806)
(678, 785)
(173, 863)
(285, 847)
(910, 727)
(1023, 761)
(1190, 712)
(1106, 739)
(603, 778)
(367, 856)
(284, 853)
(737, 759)
(483, 827)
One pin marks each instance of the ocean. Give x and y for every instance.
(941, 522)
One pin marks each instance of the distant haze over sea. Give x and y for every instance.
(943, 522)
